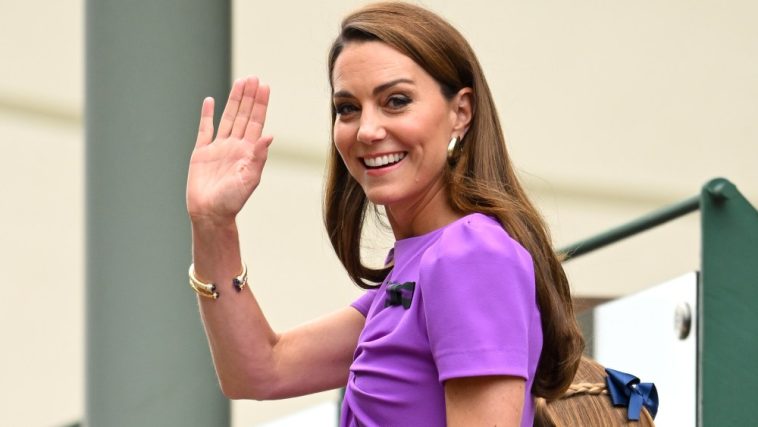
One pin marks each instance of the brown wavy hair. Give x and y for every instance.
(586, 403)
(481, 179)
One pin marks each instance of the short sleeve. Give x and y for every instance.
(478, 301)
(363, 303)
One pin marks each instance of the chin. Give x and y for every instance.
(380, 201)
(382, 198)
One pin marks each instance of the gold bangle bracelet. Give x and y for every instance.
(240, 281)
(209, 290)
(203, 292)
(206, 287)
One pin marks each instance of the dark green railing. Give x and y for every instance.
(717, 189)
(639, 225)
(727, 291)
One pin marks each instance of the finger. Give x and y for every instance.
(205, 129)
(231, 108)
(246, 107)
(260, 154)
(258, 116)
(266, 141)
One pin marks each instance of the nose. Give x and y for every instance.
(371, 128)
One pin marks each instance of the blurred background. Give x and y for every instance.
(610, 110)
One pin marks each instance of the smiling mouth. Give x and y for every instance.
(383, 161)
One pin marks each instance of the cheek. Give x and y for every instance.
(431, 136)
(433, 126)
(344, 141)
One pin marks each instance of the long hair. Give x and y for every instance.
(586, 403)
(482, 179)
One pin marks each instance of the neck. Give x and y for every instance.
(429, 213)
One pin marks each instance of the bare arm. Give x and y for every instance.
(484, 401)
(251, 360)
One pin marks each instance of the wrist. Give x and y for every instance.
(215, 249)
(213, 239)
(213, 224)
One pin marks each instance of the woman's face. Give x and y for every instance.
(393, 124)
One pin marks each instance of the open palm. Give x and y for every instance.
(225, 171)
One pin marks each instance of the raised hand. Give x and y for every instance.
(225, 171)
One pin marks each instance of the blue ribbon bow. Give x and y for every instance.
(400, 294)
(627, 390)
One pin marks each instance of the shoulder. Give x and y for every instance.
(476, 239)
(478, 296)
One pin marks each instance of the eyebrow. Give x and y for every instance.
(377, 90)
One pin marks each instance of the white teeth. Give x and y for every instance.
(379, 161)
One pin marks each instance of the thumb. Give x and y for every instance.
(266, 140)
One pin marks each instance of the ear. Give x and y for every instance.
(463, 110)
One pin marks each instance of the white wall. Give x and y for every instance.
(610, 110)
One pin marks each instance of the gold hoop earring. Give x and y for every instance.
(451, 148)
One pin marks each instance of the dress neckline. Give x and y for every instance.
(410, 245)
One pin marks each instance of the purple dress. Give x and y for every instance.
(459, 302)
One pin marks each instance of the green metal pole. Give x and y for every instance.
(637, 226)
(728, 348)
(148, 66)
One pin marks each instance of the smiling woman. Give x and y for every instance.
(471, 316)
(392, 128)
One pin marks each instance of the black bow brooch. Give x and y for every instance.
(400, 294)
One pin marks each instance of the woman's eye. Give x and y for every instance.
(345, 109)
(398, 101)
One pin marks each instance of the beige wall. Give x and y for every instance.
(42, 207)
(610, 110)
